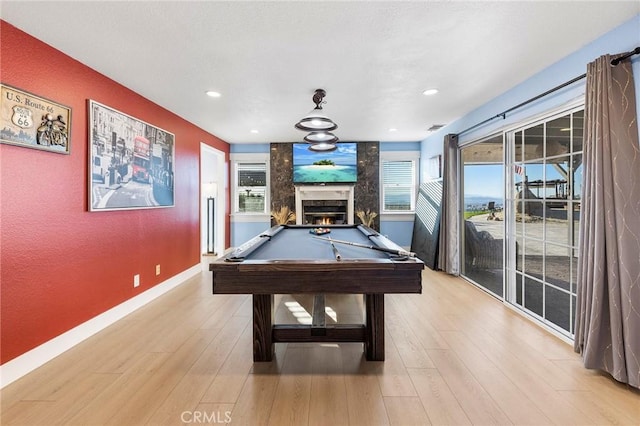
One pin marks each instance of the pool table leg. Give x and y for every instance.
(374, 329)
(262, 327)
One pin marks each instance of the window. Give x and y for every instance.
(399, 182)
(250, 186)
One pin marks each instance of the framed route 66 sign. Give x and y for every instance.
(33, 122)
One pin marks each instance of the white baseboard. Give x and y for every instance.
(29, 361)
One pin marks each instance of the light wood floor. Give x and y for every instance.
(454, 355)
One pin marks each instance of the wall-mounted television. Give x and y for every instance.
(339, 166)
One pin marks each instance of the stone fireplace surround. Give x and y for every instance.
(366, 190)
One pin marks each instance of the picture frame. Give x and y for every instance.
(434, 167)
(131, 162)
(32, 121)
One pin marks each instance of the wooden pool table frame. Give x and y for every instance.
(264, 278)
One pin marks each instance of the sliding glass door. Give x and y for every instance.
(522, 245)
(482, 186)
(544, 175)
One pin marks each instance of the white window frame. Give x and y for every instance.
(414, 157)
(510, 232)
(255, 158)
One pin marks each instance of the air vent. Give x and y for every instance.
(435, 127)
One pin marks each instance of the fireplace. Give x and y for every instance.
(324, 204)
(324, 212)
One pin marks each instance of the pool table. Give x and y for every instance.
(293, 259)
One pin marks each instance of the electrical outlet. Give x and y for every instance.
(136, 280)
(157, 269)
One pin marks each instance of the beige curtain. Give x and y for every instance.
(448, 255)
(608, 300)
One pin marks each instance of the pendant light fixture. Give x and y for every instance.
(319, 126)
(316, 120)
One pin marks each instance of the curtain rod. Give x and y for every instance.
(619, 59)
(503, 114)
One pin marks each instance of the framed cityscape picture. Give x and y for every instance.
(131, 163)
(33, 122)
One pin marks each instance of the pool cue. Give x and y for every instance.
(384, 249)
(336, 253)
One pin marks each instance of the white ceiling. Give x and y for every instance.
(374, 59)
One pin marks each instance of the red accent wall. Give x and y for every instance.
(61, 265)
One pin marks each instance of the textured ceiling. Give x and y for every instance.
(374, 59)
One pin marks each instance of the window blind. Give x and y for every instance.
(398, 182)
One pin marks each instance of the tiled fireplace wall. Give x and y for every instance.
(366, 190)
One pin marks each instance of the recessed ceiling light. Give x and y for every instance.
(393, 129)
(213, 94)
(254, 131)
(430, 92)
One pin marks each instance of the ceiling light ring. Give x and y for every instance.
(316, 124)
(322, 147)
(321, 137)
